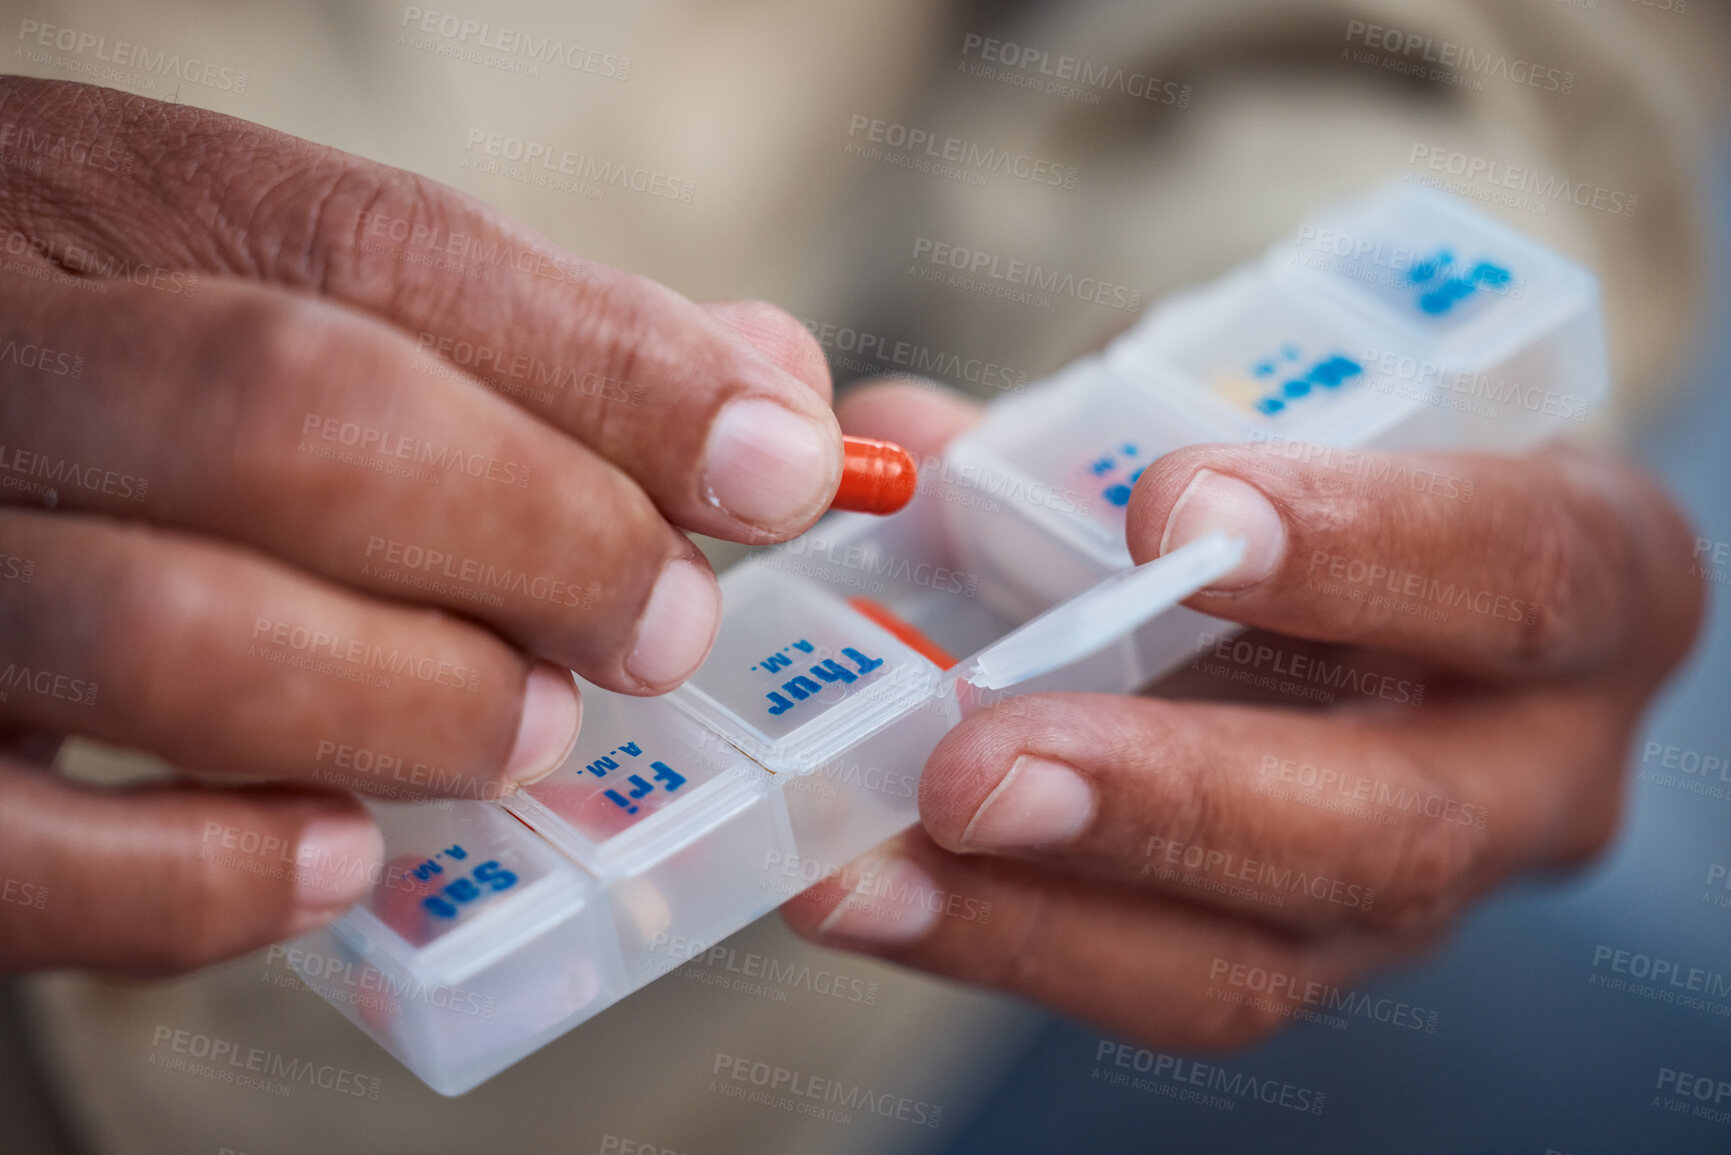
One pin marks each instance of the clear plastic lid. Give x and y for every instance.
(1424, 262)
(462, 866)
(1261, 359)
(640, 773)
(796, 674)
(1070, 455)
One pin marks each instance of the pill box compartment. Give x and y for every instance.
(1508, 335)
(479, 944)
(1035, 497)
(1261, 362)
(829, 699)
(682, 827)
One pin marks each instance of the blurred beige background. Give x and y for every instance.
(751, 101)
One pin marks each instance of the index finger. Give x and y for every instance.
(723, 438)
(1562, 563)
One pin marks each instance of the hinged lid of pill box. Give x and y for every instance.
(796, 676)
(640, 779)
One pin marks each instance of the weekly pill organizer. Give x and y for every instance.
(1407, 320)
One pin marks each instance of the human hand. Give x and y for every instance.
(1191, 873)
(318, 473)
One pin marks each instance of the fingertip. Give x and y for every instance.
(769, 467)
(547, 726)
(880, 901)
(339, 854)
(678, 626)
(1220, 503)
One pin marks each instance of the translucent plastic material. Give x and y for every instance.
(1405, 321)
(846, 655)
(1475, 321)
(479, 944)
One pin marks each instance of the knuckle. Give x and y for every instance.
(197, 926)
(1561, 589)
(375, 233)
(1429, 860)
(146, 603)
(1596, 828)
(617, 327)
(1221, 1024)
(268, 344)
(779, 335)
(1597, 812)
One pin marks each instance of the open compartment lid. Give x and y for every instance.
(1091, 621)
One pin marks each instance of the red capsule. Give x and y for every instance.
(876, 477)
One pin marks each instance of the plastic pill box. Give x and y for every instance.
(1406, 320)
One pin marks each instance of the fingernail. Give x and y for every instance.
(677, 626)
(1214, 502)
(768, 466)
(335, 864)
(1038, 802)
(548, 728)
(891, 903)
